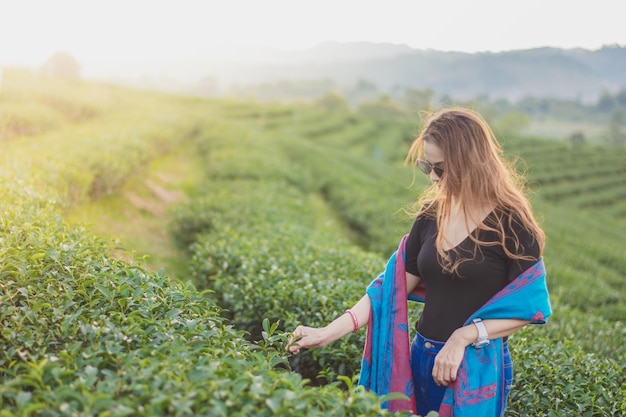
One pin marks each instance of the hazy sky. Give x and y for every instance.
(121, 30)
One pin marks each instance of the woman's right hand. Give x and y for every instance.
(305, 337)
(311, 337)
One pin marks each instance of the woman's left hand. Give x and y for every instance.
(449, 358)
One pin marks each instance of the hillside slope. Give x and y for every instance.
(576, 74)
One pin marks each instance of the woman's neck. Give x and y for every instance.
(476, 211)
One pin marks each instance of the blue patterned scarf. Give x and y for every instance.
(479, 388)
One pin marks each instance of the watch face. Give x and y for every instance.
(483, 338)
(481, 343)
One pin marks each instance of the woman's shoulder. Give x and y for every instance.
(511, 219)
(426, 214)
(428, 210)
(424, 219)
(518, 232)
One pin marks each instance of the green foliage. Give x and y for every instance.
(384, 108)
(32, 103)
(243, 258)
(25, 118)
(588, 178)
(332, 102)
(84, 334)
(564, 380)
(616, 135)
(576, 138)
(511, 123)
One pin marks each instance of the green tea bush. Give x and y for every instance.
(602, 336)
(328, 124)
(66, 100)
(586, 262)
(554, 169)
(368, 197)
(21, 119)
(557, 378)
(85, 335)
(264, 259)
(125, 131)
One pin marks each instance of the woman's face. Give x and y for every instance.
(433, 155)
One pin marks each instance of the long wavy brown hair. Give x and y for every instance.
(477, 175)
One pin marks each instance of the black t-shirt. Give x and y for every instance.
(452, 299)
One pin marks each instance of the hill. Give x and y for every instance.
(544, 72)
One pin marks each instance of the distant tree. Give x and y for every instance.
(332, 101)
(382, 109)
(61, 65)
(576, 138)
(606, 103)
(362, 91)
(545, 105)
(446, 100)
(620, 98)
(488, 111)
(418, 100)
(502, 105)
(616, 123)
(511, 123)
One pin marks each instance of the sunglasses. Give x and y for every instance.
(426, 167)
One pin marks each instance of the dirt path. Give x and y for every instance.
(136, 221)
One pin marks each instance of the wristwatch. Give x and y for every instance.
(483, 337)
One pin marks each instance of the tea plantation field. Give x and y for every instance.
(295, 210)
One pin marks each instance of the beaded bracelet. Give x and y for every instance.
(354, 320)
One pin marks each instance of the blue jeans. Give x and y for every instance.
(428, 394)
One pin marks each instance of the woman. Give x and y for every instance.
(473, 239)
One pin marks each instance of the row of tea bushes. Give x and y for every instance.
(262, 255)
(93, 158)
(325, 163)
(369, 197)
(31, 104)
(281, 272)
(589, 178)
(587, 263)
(557, 376)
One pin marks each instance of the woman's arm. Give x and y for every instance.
(449, 358)
(317, 337)
(495, 329)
